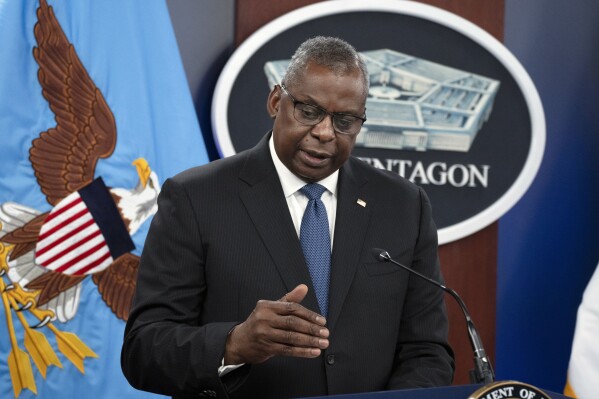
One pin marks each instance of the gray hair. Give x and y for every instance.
(336, 54)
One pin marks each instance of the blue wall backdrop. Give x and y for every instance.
(548, 243)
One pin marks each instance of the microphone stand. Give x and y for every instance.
(483, 371)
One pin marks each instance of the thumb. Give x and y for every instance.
(296, 295)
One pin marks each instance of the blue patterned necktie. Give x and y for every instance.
(316, 243)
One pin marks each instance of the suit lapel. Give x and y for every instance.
(265, 203)
(350, 230)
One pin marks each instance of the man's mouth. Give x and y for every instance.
(314, 158)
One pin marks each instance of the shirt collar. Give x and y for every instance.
(290, 182)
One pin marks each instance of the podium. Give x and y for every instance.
(450, 392)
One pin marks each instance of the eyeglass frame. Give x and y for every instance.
(324, 113)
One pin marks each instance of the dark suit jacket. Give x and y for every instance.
(223, 239)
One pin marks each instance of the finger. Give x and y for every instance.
(294, 323)
(266, 309)
(296, 295)
(294, 351)
(297, 339)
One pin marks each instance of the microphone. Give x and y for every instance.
(483, 371)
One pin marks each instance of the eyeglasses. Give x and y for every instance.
(311, 115)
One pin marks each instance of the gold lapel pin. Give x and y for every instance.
(361, 202)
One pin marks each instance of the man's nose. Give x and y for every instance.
(324, 130)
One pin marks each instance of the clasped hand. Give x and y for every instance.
(282, 327)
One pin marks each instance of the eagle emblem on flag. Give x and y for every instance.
(44, 256)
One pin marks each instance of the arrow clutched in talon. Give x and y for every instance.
(68, 343)
(21, 373)
(72, 347)
(40, 350)
(36, 343)
(19, 364)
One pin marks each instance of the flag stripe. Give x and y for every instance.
(63, 207)
(79, 267)
(55, 221)
(73, 254)
(79, 239)
(53, 237)
(73, 247)
(45, 248)
(92, 265)
(61, 225)
(81, 256)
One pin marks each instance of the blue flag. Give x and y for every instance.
(90, 91)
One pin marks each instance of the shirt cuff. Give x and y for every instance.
(224, 370)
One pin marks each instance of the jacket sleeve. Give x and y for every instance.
(166, 350)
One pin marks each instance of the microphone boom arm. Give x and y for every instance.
(483, 371)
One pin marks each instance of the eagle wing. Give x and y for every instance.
(51, 284)
(25, 237)
(64, 157)
(117, 284)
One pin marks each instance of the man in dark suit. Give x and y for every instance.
(230, 301)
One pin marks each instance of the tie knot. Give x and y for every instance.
(313, 191)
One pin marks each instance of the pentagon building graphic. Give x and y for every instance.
(415, 104)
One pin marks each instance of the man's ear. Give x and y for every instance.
(273, 102)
